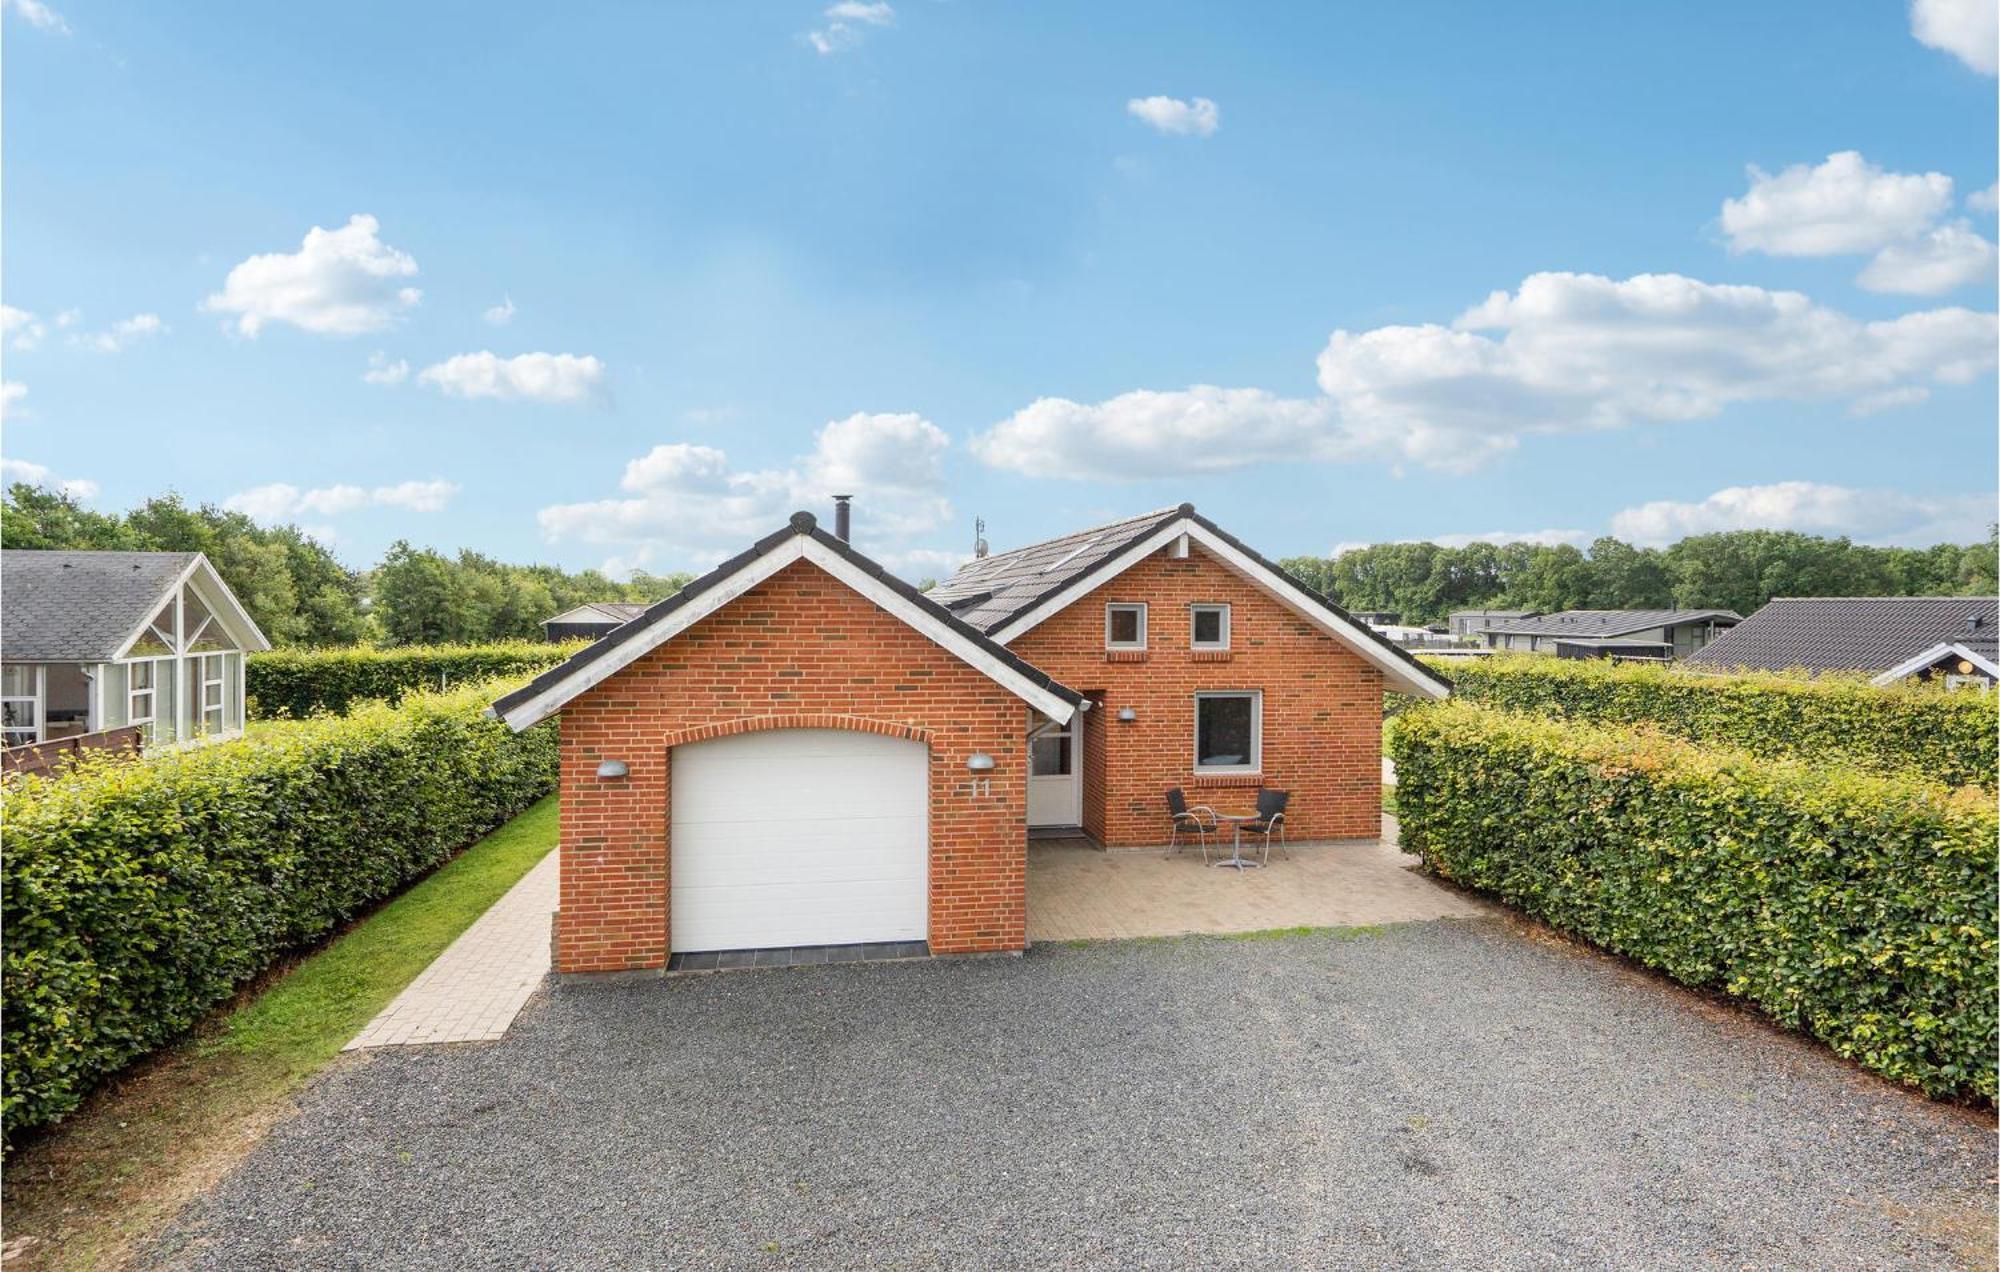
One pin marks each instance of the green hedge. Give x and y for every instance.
(1951, 736)
(1859, 907)
(298, 683)
(138, 895)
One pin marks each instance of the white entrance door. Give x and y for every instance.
(799, 837)
(1055, 772)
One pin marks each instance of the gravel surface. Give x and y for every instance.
(1453, 1093)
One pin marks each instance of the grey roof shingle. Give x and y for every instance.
(599, 612)
(1851, 633)
(989, 591)
(1607, 622)
(79, 606)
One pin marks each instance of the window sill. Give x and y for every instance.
(1211, 780)
(1124, 655)
(1208, 655)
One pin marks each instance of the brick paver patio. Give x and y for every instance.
(1079, 892)
(479, 984)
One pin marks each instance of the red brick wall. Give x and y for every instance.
(1322, 705)
(799, 650)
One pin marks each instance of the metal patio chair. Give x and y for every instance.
(1199, 818)
(1270, 821)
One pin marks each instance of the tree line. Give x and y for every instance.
(301, 595)
(1736, 569)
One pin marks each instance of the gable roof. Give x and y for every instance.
(598, 612)
(91, 606)
(1011, 593)
(800, 539)
(1852, 633)
(1981, 659)
(1607, 622)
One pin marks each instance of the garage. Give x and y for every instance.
(795, 837)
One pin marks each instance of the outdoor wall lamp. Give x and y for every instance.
(979, 762)
(610, 770)
(1127, 715)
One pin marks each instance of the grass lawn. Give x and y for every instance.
(102, 1181)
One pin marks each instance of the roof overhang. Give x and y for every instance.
(222, 603)
(546, 695)
(1401, 672)
(1934, 655)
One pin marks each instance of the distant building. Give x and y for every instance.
(1378, 618)
(590, 622)
(1955, 638)
(1474, 622)
(1629, 635)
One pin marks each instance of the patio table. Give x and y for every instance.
(1236, 857)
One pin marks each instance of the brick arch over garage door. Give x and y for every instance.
(801, 649)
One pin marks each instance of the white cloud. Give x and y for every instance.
(33, 474)
(1849, 206)
(1987, 200)
(1176, 118)
(11, 393)
(689, 501)
(69, 318)
(1969, 30)
(846, 23)
(342, 282)
(528, 377)
(1947, 258)
(1873, 516)
(501, 314)
(119, 335)
(1565, 353)
(280, 501)
(1845, 205)
(37, 15)
(382, 371)
(21, 329)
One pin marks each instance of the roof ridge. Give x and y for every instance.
(1928, 596)
(1074, 534)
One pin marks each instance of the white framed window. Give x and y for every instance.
(1208, 627)
(21, 704)
(140, 696)
(1125, 626)
(209, 667)
(1229, 731)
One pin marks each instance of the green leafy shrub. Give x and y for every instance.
(140, 894)
(1857, 906)
(1951, 736)
(296, 683)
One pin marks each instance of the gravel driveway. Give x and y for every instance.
(1450, 1093)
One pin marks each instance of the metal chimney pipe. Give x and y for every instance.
(842, 518)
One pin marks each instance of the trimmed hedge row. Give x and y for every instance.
(138, 895)
(1951, 736)
(288, 683)
(1856, 906)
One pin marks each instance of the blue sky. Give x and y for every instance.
(623, 284)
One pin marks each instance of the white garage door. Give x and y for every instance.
(799, 837)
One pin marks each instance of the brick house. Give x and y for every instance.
(798, 749)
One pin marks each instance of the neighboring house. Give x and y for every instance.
(1474, 622)
(590, 622)
(91, 641)
(798, 749)
(1647, 635)
(1376, 618)
(1956, 638)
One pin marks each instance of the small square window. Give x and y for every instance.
(1125, 627)
(1228, 732)
(1209, 627)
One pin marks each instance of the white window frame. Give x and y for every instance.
(1114, 607)
(204, 682)
(36, 705)
(1256, 764)
(1194, 611)
(146, 723)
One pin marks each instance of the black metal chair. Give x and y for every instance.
(1190, 817)
(1270, 821)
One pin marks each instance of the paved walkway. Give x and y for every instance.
(479, 984)
(1079, 892)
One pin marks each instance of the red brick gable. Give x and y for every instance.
(1322, 718)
